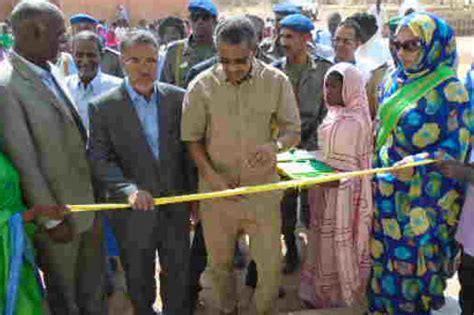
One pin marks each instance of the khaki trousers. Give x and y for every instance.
(259, 216)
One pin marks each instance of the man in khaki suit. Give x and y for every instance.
(249, 98)
(42, 134)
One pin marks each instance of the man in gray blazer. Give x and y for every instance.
(136, 154)
(42, 134)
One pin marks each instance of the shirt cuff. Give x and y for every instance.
(191, 137)
(51, 224)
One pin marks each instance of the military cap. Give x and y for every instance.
(298, 23)
(286, 8)
(83, 18)
(205, 5)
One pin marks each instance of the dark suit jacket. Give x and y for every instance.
(121, 158)
(122, 162)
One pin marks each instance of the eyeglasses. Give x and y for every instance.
(410, 45)
(344, 41)
(237, 62)
(200, 15)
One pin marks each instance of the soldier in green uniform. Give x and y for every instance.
(272, 46)
(182, 55)
(110, 63)
(306, 72)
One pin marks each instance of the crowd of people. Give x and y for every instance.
(91, 113)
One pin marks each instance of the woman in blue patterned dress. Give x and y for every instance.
(425, 113)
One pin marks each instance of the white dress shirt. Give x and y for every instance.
(82, 95)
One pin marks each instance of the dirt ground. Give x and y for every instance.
(290, 304)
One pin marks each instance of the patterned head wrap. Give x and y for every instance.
(438, 44)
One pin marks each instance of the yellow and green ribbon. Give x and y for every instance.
(298, 183)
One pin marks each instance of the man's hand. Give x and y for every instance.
(406, 174)
(264, 155)
(53, 212)
(218, 183)
(455, 169)
(141, 200)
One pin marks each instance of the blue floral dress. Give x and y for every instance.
(413, 245)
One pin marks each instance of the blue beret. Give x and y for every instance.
(205, 5)
(298, 23)
(83, 18)
(286, 8)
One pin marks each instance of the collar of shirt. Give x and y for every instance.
(46, 77)
(353, 62)
(42, 73)
(136, 97)
(311, 62)
(94, 84)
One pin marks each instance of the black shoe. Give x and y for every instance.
(252, 276)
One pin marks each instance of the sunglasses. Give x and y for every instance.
(237, 62)
(344, 41)
(200, 16)
(410, 45)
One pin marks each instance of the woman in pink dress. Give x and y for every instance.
(111, 38)
(338, 259)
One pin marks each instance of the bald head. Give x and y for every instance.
(38, 27)
(28, 11)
